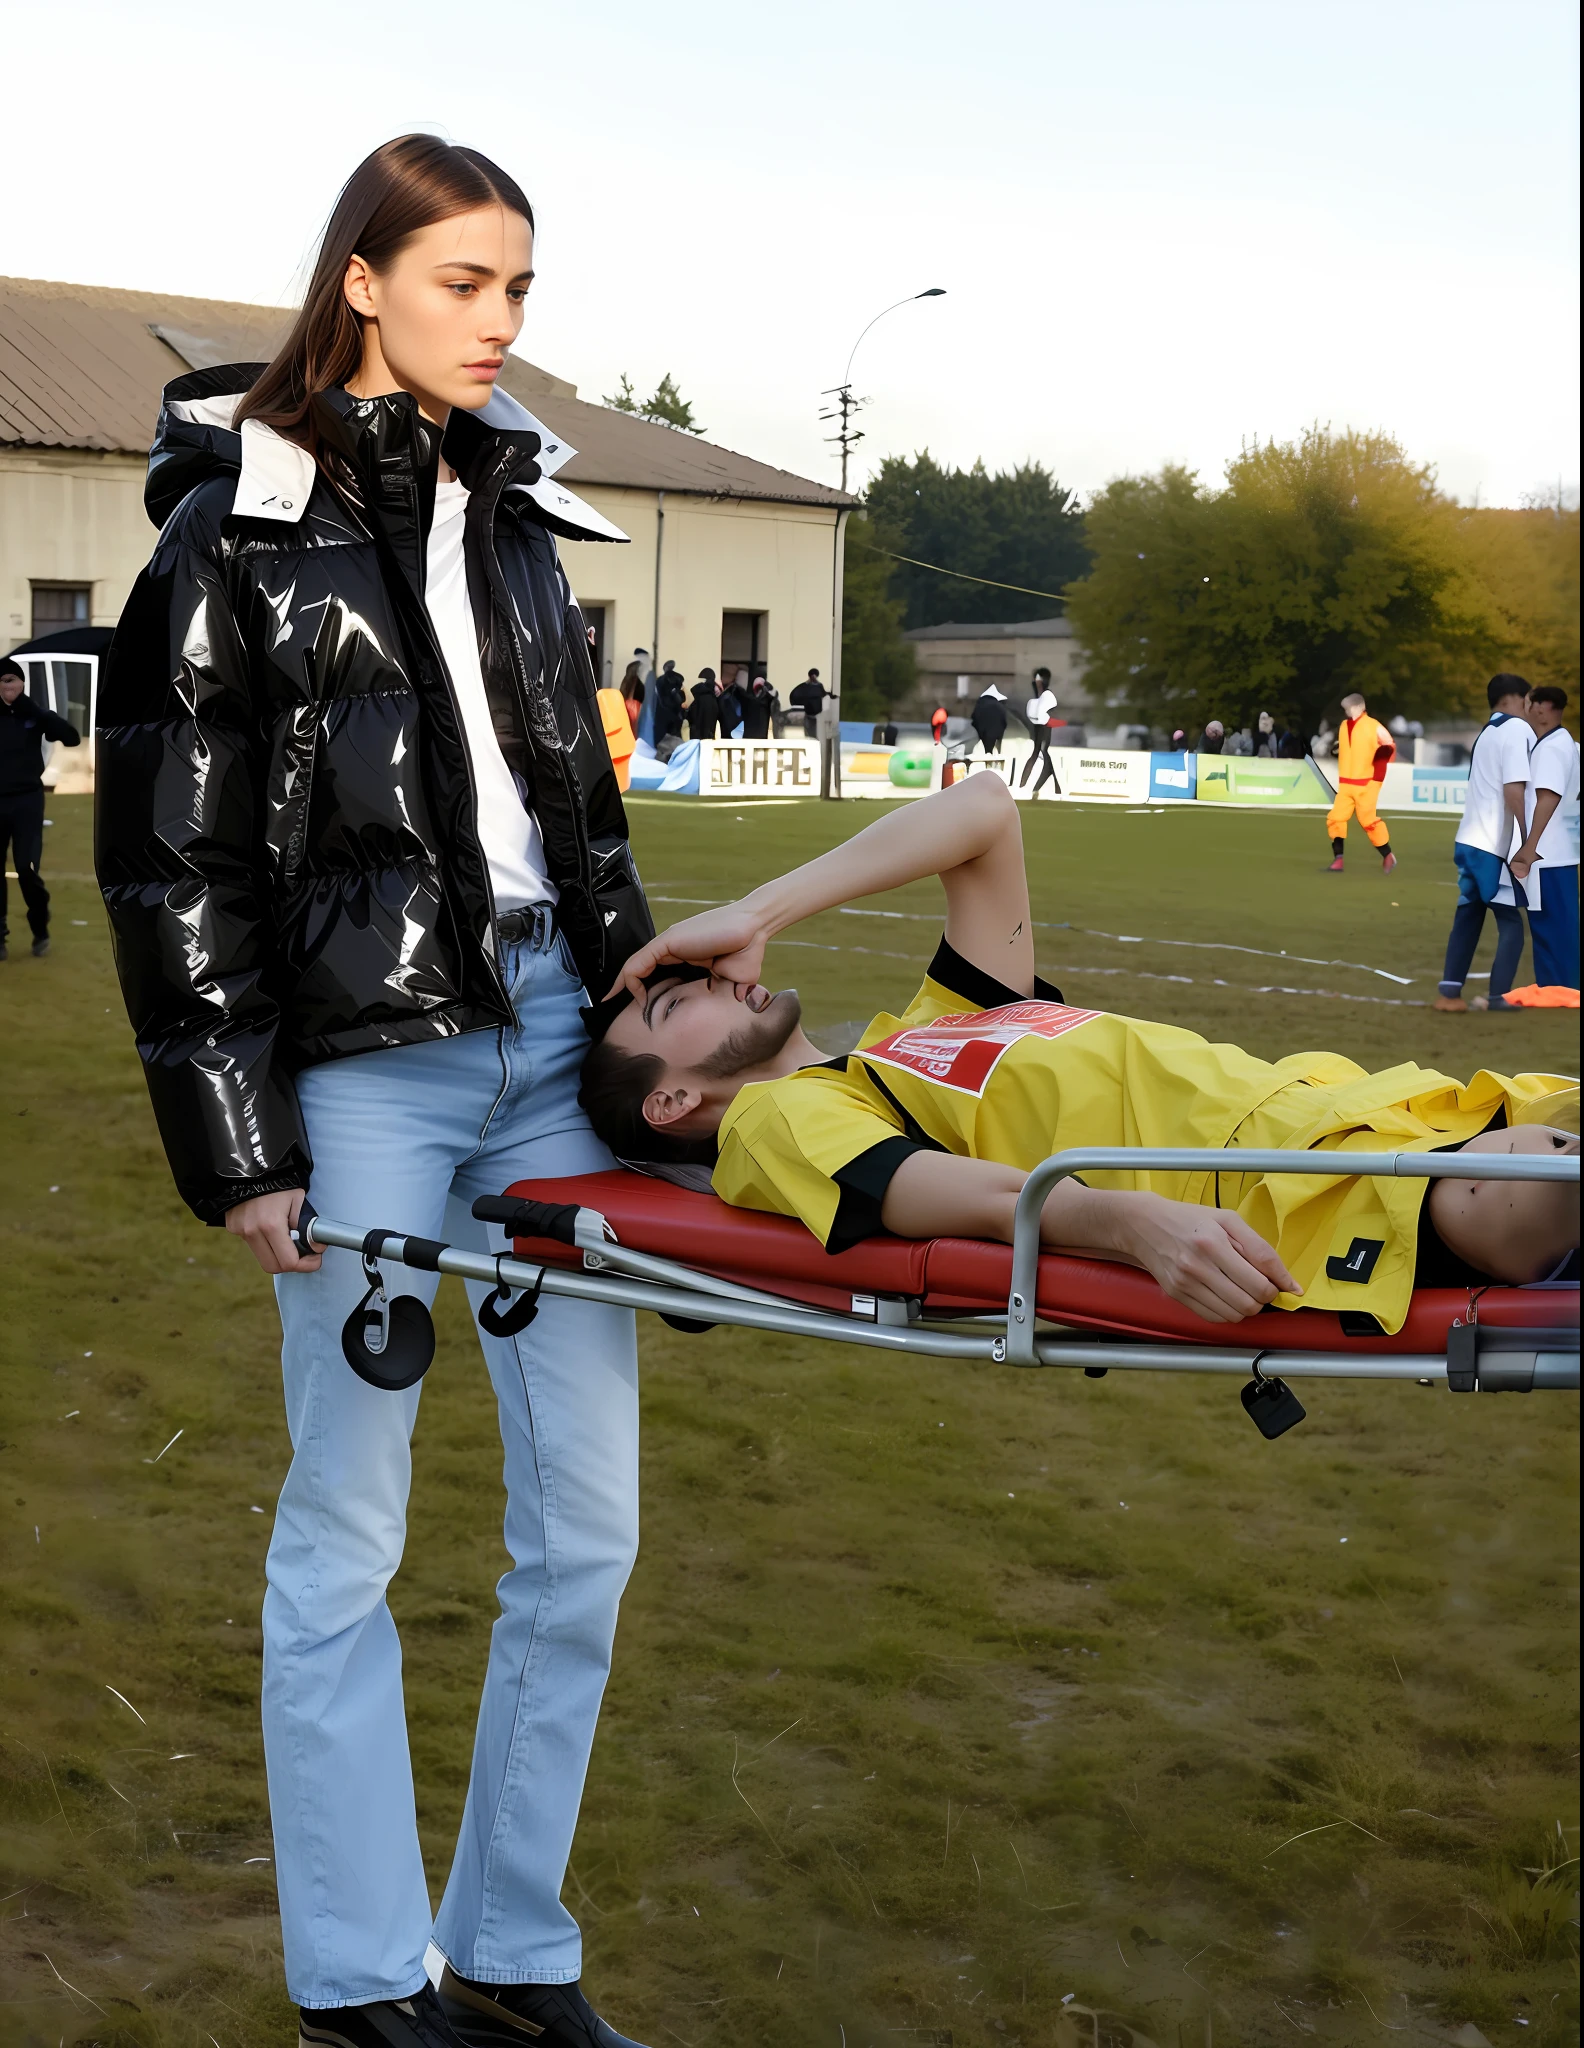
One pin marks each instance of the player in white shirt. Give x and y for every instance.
(1037, 716)
(1488, 837)
(1547, 863)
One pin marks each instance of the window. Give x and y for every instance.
(57, 605)
(745, 640)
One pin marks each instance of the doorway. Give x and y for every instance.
(745, 640)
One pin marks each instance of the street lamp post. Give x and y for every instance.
(847, 407)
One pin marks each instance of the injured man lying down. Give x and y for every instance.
(929, 1127)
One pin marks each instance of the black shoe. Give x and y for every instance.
(508, 2015)
(416, 2022)
(40, 948)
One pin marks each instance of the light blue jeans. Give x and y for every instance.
(406, 1139)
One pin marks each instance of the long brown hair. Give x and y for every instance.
(400, 188)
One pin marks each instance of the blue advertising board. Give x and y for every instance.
(1172, 776)
(1440, 789)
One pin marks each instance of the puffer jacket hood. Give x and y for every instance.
(287, 826)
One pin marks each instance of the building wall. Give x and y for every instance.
(1007, 662)
(717, 555)
(69, 516)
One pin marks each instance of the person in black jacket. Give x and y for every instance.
(989, 719)
(702, 711)
(669, 689)
(363, 852)
(24, 727)
(809, 697)
(758, 705)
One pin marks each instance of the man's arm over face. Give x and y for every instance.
(969, 835)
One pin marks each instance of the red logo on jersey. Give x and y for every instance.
(962, 1052)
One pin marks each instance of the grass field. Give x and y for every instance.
(941, 1695)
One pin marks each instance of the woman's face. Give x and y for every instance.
(440, 321)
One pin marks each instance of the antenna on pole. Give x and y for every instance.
(847, 436)
(847, 407)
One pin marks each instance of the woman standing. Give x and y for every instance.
(362, 849)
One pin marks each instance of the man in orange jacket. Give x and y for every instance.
(1364, 747)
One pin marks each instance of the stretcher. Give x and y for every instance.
(615, 1237)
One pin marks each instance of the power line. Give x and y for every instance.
(1059, 596)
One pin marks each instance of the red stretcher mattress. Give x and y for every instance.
(779, 1256)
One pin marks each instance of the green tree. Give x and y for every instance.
(1019, 526)
(1529, 563)
(1325, 565)
(879, 667)
(666, 406)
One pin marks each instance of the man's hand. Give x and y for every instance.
(1522, 861)
(265, 1225)
(1207, 1259)
(729, 941)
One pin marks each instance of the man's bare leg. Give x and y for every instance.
(1515, 1230)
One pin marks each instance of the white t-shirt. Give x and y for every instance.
(508, 831)
(1040, 708)
(1500, 756)
(1554, 764)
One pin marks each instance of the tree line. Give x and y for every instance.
(1317, 566)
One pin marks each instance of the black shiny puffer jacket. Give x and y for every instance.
(287, 837)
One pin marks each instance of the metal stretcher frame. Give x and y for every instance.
(1502, 1359)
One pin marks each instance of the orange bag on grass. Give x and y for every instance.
(1544, 996)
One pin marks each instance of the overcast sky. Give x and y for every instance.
(1163, 228)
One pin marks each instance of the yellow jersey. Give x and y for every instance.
(971, 1067)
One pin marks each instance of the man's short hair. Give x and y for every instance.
(1505, 685)
(1042, 675)
(1353, 697)
(8, 667)
(1549, 693)
(613, 1090)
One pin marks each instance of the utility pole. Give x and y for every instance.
(846, 409)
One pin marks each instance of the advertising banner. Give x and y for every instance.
(1442, 790)
(759, 768)
(1171, 777)
(1236, 779)
(1082, 773)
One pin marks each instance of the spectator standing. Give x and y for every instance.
(758, 707)
(809, 697)
(1038, 713)
(24, 727)
(938, 719)
(728, 710)
(632, 690)
(1213, 739)
(989, 719)
(1491, 831)
(669, 698)
(885, 733)
(1240, 743)
(1547, 863)
(701, 712)
(1266, 745)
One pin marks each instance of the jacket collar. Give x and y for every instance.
(277, 477)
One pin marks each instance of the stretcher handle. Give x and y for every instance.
(555, 1220)
(1331, 1164)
